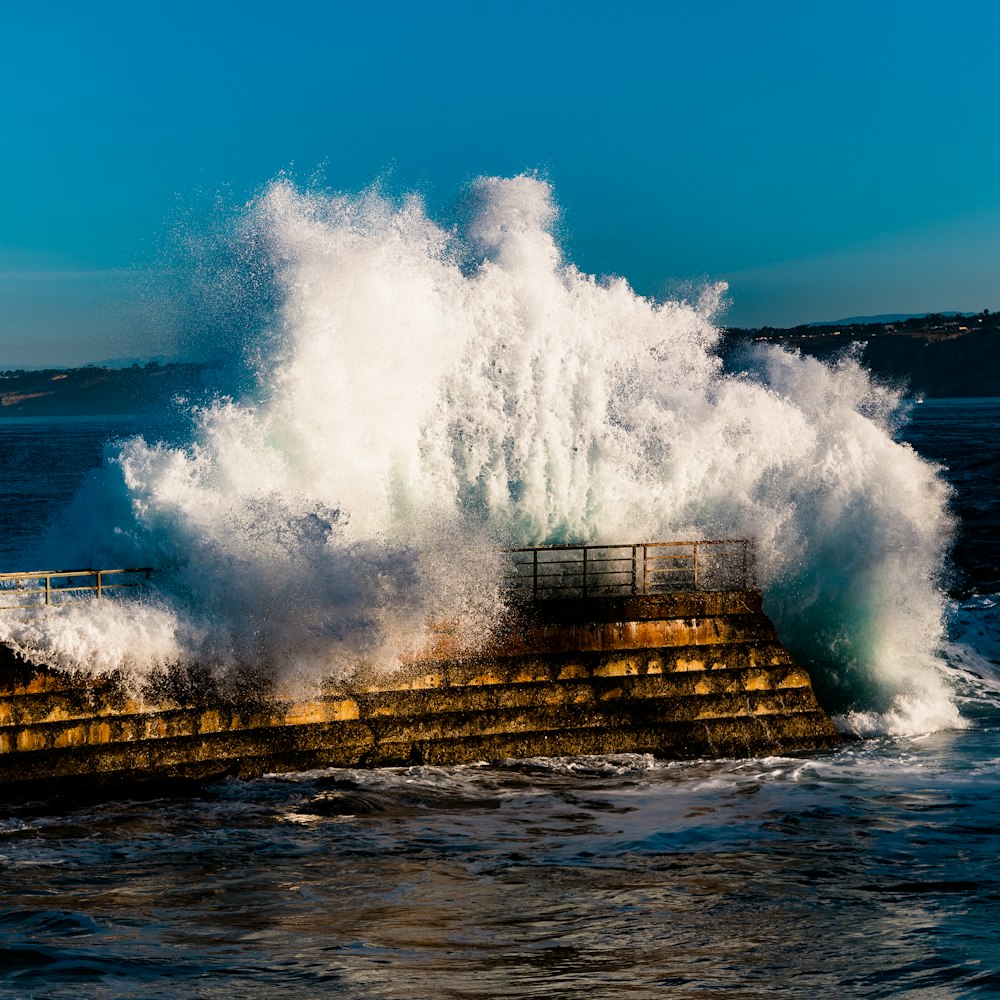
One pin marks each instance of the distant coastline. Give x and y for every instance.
(96, 391)
(939, 355)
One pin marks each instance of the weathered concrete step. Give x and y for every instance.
(743, 737)
(650, 607)
(612, 713)
(525, 668)
(77, 701)
(449, 714)
(586, 691)
(354, 745)
(617, 635)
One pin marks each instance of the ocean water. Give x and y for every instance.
(402, 398)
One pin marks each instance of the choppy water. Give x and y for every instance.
(872, 871)
(961, 434)
(42, 465)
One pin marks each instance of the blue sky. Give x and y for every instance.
(827, 160)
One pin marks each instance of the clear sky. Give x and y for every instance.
(826, 159)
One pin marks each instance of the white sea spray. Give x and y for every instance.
(423, 396)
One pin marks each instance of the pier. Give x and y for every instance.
(658, 648)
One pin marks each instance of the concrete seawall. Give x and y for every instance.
(677, 675)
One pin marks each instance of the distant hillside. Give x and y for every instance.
(885, 318)
(92, 391)
(934, 355)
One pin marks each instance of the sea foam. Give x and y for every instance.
(410, 398)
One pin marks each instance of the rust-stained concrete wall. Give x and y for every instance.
(680, 676)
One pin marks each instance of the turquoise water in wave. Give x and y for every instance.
(867, 872)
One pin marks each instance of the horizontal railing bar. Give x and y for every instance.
(544, 550)
(576, 569)
(600, 565)
(24, 591)
(638, 545)
(41, 574)
(700, 541)
(71, 590)
(109, 584)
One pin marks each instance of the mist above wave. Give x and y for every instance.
(404, 398)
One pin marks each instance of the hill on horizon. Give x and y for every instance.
(94, 391)
(934, 354)
(887, 318)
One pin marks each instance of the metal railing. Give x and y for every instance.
(45, 588)
(573, 571)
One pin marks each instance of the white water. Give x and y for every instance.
(423, 395)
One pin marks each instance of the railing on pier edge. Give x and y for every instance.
(546, 572)
(47, 588)
(542, 572)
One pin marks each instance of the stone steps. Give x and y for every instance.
(713, 683)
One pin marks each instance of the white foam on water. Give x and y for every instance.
(425, 395)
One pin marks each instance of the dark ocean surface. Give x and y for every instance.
(872, 871)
